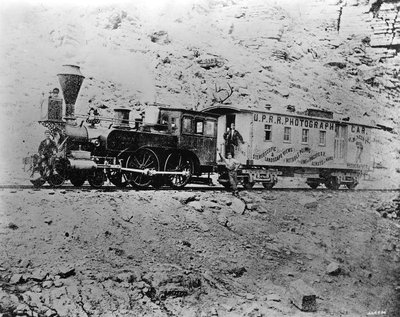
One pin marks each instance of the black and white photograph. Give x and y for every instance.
(200, 158)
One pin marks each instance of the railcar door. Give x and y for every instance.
(340, 145)
(236, 138)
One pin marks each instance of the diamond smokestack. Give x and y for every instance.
(70, 79)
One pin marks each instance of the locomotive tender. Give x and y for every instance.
(174, 147)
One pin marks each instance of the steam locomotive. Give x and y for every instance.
(168, 147)
(174, 147)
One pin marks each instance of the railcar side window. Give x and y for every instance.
(199, 127)
(322, 138)
(173, 123)
(164, 119)
(210, 128)
(304, 136)
(268, 132)
(287, 134)
(187, 126)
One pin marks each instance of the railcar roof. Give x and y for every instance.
(193, 112)
(222, 110)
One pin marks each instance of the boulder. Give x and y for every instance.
(160, 37)
(196, 205)
(184, 197)
(47, 284)
(66, 271)
(303, 296)
(251, 206)
(58, 283)
(309, 202)
(274, 297)
(8, 301)
(38, 275)
(238, 206)
(333, 268)
(15, 279)
(125, 277)
(212, 205)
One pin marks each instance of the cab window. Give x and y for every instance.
(210, 128)
(187, 125)
(199, 126)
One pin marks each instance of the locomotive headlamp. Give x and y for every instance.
(96, 142)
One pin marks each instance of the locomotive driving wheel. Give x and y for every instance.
(58, 173)
(77, 178)
(117, 177)
(178, 162)
(96, 179)
(143, 159)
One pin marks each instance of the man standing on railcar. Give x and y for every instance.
(232, 166)
(232, 138)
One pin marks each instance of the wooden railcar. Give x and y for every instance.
(313, 144)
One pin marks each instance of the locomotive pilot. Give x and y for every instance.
(232, 138)
(47, 150)
(232, 166)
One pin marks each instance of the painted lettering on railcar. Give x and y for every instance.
(290, 155)
(293, 121)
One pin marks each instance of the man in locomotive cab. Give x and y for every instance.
(232, 138)
(54, 94)
(93, 117)
(232, 166)
(47, 150)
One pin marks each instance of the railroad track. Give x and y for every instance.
(217, 188)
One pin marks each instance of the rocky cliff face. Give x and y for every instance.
(335, 55)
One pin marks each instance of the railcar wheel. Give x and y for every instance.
(313, 185)
(248, 185)
(97, 178)
(268, 185)
(142, 159)
(77, 178)
(332, 183)
(178, 162)
(117, 178)
(352, 185)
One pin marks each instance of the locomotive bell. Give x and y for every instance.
(70, 79)
(121, 117)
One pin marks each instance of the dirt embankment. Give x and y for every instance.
(167, 253)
